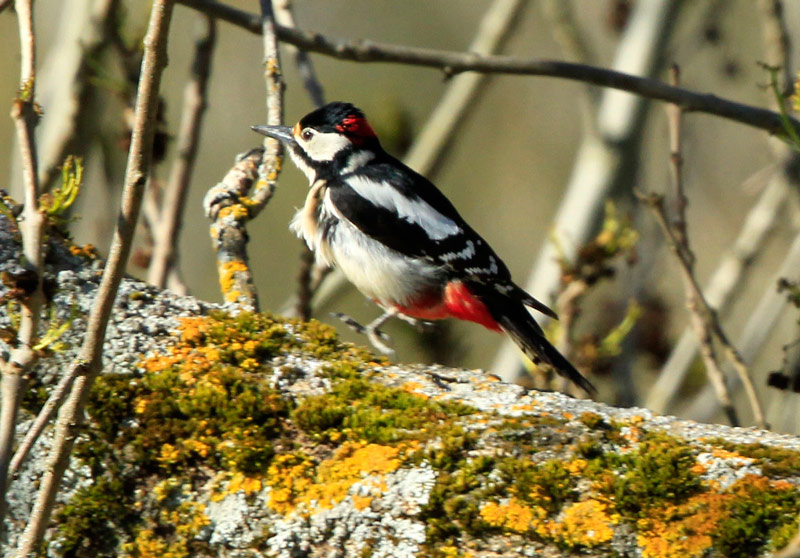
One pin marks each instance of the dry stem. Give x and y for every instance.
(166, 233)
(89, 363)
(23, 356)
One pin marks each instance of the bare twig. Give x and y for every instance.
(308, 267)
(194, 104)
(729, 275)
(704, 317)
(5, 4)
(457, 62)
(761, 320)
(731, 271)
(678, 240)
(90, 360)
(285, 17)
(23, 356)
(224, 206)
(270, 166)
(698, 310)
(54, 400)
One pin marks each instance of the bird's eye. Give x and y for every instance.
(307, 134)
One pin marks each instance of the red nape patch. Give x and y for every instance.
(462, 304)
(356, 126)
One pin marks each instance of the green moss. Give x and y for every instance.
(547, 484)
(454, 504)
(99, 511)
(364, 410)
(659, 471)
(762, 515)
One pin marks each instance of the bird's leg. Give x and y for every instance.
(372, 329)
(421, 325)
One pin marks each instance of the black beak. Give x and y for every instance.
(280, 133)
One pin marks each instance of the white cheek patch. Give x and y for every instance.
(412, 210)
(324, 147)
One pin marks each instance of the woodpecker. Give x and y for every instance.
(399, 240)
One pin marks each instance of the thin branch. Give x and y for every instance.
(167, 232)
(457, 62)
(698, 311)
(52, 404)
(678, 240)
(89, 363)
(308, 268)
(228, 204)
(270, 166)
(23, 356)
(285, 17)
(756, 332)
(704, 317)
(729, 275)
(5, 4)
(759, 221)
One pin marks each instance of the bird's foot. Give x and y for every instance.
(372, 331)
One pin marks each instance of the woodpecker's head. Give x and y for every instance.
(333, 139)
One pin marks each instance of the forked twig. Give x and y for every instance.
(704, 318)
(89, 363)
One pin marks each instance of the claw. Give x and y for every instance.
(371, 330)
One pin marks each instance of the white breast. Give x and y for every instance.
(379, 272)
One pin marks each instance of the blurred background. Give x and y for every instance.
(521, 145)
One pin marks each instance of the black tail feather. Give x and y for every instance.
(515, 320)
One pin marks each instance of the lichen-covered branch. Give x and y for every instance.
(227, 207)
(272, 157)
(89, 362)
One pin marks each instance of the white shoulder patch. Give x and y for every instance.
(357, 160)
(414, 211)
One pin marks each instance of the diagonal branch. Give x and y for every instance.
(456, 62)
(89, 362)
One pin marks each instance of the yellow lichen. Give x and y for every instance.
(298, 485)
(683, 531)
(237, 212)
(513, 515)
(586, 523)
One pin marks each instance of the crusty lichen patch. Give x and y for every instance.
(279, 425)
